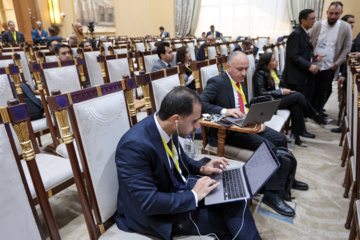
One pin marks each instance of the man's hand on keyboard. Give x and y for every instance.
(204, 186)
(214, 166)
(232, 112)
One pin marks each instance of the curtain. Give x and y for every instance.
(254, 18)
(295, 7)
(186, 16)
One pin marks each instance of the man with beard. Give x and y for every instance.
(331, 39)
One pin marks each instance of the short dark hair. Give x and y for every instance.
(179, 100)
(304, 14)
(336, 4)
(203, 33)
(83, 43)
(180, 54)
(61, 45)
(347, 16)
(161, 28)
(49, 42)
(52, 30)
(161, 48)
(212, 26)
(247, 42)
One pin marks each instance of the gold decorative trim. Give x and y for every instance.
(98, 90)
(38, 80)
(25, 143)
(146, 92)
(4, 115)
(197, 79)
(69, 98)
(130, 100)
(62, 118)
(102, 228)
(50, 194)
(16, 81)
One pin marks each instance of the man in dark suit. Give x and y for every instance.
(226, 94)
(39, 35)
(212, 32)
(201, 53)
(53, 35)
(156, 195)
(12, 36)
(300, 54)
(163, 33)
(245, 46)
(166, 56)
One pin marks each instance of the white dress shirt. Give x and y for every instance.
(236, 97)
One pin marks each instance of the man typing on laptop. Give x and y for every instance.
(226, 94)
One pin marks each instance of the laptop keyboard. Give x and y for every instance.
(233, 184)
(239, 122)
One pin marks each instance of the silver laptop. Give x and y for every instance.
(258, 113)
(244, 182)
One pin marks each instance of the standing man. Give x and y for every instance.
(166, 56)
(300, 54)
(212, 32)
(157, 196)
(163, 33)
(53, 35)
(331, 38)
(201, 54)
(39, 35)
(13, 36)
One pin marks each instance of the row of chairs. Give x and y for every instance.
(351, 151)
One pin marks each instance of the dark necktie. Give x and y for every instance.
(169, 65)
(309, 37)
(177, 179)
(241, 101)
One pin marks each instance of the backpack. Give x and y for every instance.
(286, 171)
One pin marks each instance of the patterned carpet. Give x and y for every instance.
(320, 211)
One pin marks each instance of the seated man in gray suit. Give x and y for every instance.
(12, 36)
(163, 33)
(166, 56)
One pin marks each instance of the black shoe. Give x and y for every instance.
(307, 135)
(337, 130)
(277, 204)
(319, 119)
(299, 142)
(300, 185)
(324, 115)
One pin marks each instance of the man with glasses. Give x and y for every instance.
(331, 38)
(300, 54)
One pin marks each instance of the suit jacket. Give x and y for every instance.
(218, 94)
(160, 65)
(147, 199)
(165, 34)
(343, 43)
(201, 53)
(8, 37)
(217, 34)
(299, 51)
(37, 38)
(263, 87)
(356, 44)
(57, 38)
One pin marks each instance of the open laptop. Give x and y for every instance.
(258, 113)
(244, 182)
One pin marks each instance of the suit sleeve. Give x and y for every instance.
(345, 47)
(293, 51)
(208, 97)
(156, 67)
(136, 176)
(201, 54)
(34, 37)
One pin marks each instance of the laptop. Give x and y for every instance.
(258, 113)
(244, 182)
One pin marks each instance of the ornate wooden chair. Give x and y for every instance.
(93, 70)
(106, 45)
(210, 51)
(281, 46)
(191, 46)
(9, 59)
(118, 49)
(45, 57)
(203, 71)
(19, 219)
(116, 66)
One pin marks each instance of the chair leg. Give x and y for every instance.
(347, 180)
(351, 208)
(342, 135)
(344, 154)
(341, 110)
(352, 234)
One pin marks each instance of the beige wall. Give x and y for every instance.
(350, 7)
(133, 18)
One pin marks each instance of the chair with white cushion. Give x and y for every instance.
(93, 70)
(106, 45)
(191, 46)
(211, 69)
(46, 57)
(116, 66)
(19, 219)
(210, 51)
(102, 117)
(282, 56)
(118, 50)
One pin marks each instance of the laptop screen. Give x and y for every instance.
(260, 167)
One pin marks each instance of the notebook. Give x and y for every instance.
(244, 182)
(258, 113)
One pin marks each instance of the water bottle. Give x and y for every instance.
(291, 143)
(190, 147)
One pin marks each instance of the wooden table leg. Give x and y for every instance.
(221, 142)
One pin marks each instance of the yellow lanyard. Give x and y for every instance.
(14, 35)
(84, 40)
(188, 67)
(172, 154)
(275, 77)
(241, 93)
